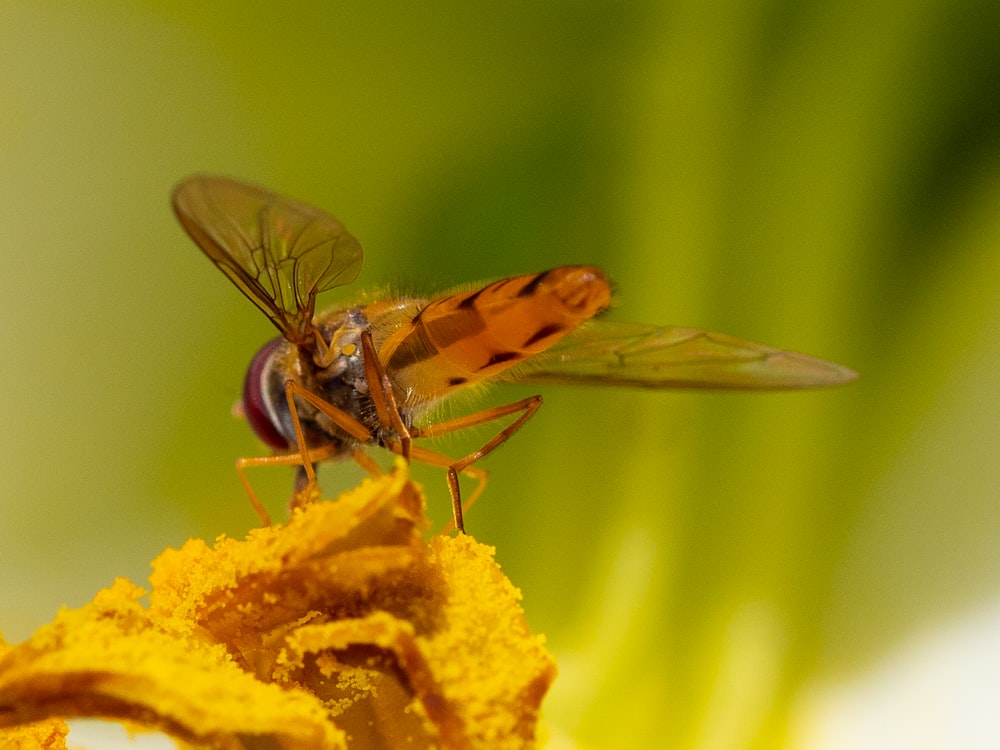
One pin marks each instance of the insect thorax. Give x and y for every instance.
(341, 383)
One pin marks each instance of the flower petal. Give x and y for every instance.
(341, 628)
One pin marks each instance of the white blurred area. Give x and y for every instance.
(938, 691)
(87, 734)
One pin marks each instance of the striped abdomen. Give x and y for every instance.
(464, 338)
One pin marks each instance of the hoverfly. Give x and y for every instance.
(347, 378)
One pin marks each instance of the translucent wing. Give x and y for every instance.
(280, 253)
(630, 354)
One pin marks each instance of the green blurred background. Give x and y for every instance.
(822, 176)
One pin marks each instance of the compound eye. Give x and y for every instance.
(256, 399)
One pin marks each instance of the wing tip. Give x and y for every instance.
(793, 370)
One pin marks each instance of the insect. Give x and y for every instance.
(339, 381)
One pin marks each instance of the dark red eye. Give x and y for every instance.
(256, 397)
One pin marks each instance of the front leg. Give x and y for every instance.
(285, 459)
(305, 480)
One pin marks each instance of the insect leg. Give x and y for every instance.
(366, 462)
(432, 458)
(342, 419)
(382, 396)
(527, 407)
(286, 459)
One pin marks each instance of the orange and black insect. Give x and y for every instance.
(339, 381)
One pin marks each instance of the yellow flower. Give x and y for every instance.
(342, 628)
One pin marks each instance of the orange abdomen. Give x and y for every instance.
(464, 338)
